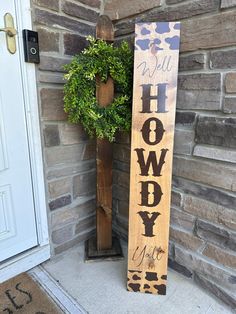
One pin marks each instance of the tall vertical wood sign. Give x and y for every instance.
(154, 102)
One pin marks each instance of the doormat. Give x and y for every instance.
(22, 294)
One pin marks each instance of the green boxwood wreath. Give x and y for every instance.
(102, 60)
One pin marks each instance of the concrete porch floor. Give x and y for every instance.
(100, 288)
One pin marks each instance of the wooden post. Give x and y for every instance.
(105, 95)
(153, 116)
(104, 246)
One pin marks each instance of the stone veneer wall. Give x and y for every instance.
(203, 210)
(69, 156)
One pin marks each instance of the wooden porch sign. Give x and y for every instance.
(153, 116)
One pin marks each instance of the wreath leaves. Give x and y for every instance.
(102, 60)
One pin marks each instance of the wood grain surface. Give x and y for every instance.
(153, 117)
(104, 95)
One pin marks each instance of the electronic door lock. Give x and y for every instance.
(31, 46)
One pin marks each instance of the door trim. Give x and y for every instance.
(29, 86)
(23, 262)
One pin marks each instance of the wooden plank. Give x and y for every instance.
(104, 28)
(104, 195)
(121, 9)
(154, 101)
(104, 95)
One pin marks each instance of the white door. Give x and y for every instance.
(17, 216)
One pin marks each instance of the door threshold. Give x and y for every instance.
(56, 291)
(23, 262)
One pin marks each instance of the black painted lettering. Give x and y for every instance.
(157, 193)
(139, 256)
(149, 222)
(160, 98)
(151, 161)
(157, 253)
(158, 131)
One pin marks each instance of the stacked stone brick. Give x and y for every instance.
(203, 210)
(69, 155)
(203, 223)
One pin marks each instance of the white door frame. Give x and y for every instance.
(35, 256)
